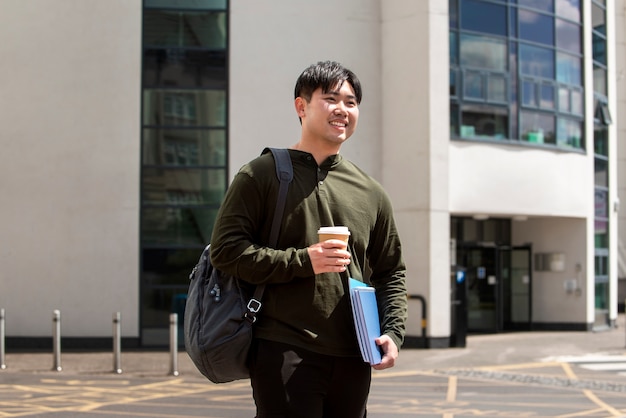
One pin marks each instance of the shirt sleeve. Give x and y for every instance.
(238, 243)
(389, 274)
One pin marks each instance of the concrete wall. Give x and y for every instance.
(69, 165)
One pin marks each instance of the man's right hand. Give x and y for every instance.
(329, 256)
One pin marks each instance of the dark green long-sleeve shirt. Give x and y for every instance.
(299, 307)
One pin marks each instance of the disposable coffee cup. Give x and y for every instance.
(334, 232)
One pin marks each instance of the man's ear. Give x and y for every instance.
(300, 105)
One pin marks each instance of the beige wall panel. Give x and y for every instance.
(69, 165)
(508, 180)
(551, 302)
(271, 42)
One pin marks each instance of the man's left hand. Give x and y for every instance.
(390, 352)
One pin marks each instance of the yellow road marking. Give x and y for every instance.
(606, 407)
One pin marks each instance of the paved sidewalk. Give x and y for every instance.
(530, 374)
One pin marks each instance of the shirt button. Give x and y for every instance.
(321, 182)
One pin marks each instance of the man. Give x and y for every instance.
(306, 361)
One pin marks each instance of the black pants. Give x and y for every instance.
(290, 382)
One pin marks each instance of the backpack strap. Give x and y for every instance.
(284, 172)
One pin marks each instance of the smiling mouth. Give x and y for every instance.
(339, 124)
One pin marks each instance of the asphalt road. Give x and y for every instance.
(531, 374)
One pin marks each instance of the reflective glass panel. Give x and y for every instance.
(577, 101)
(184, 29)
(184, 147)
(186, 4)
(568, 69)
(484, 122)
(536, 27)
(601, 141)
(598, 18)
(601, 237)
(473, 85)
(529, 93)
(535, 61)
(599, 80)
(601, 202)
(184, 107)
(568, 36)
(483, 52)
(168, 267)
(453, 13)
(454, 50)
(173, 67)
(569, 133)
(453, 83)
(547, 96)
(454, 119)
(480, 16)
(545, 5)
(496, 88)
(601, 169)
(183, 186)
(564, 100)
(598, 42)
(537, 128)
(176, 226)
(569, 9)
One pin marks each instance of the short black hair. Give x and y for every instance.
(327, 75)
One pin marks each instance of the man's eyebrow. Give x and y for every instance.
(336, 93)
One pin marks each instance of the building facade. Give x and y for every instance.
(493, 124)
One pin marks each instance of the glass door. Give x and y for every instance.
(516, 290)
(482, 290)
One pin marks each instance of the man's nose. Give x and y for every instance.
(341, 108)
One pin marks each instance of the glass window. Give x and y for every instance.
(184, 147)
(547, 96)
(177, 187)
(536, 27)
(453, 83)
(601, 169)
(599, 80)
(484, 121)
(535, 61)
(601, 140)
(184, 68)
(186, 4)
(184, 107)
(454, 50)
(177, 226)
(569, 133)
(473, 85)
(545, 5)
(568, 69)
(480, 16)
(598, 18)
(529, 93)
(454, 119)
(568, 9)
(513, 22)
(576, 97)
(598, 43)
(453, 13)
(568, 36)
(496, 88)
(184, 29)
(537, 128)
(601, 237)
(483, 52)
(601, 203)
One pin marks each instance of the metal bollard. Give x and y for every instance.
(2, 347)
(174, 344)
(56, 339)
(117, 343)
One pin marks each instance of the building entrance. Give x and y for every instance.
(499, 287)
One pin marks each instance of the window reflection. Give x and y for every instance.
(536, 61)
(536, 27)
(545, 5)
(480, 16)
(568, 36)
(483, 52)
(478, 121)
(184, 147)
(185, 29)
(537, 128)
(184, 107)
(568, 69)
(569, 9)
(569, 133)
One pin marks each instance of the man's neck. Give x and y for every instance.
(319, 151)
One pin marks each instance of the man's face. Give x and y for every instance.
(330, 116)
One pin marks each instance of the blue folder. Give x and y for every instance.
(366, 320)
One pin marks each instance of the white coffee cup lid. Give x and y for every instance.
(334, 230)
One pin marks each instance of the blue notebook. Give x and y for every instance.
(366, 320)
